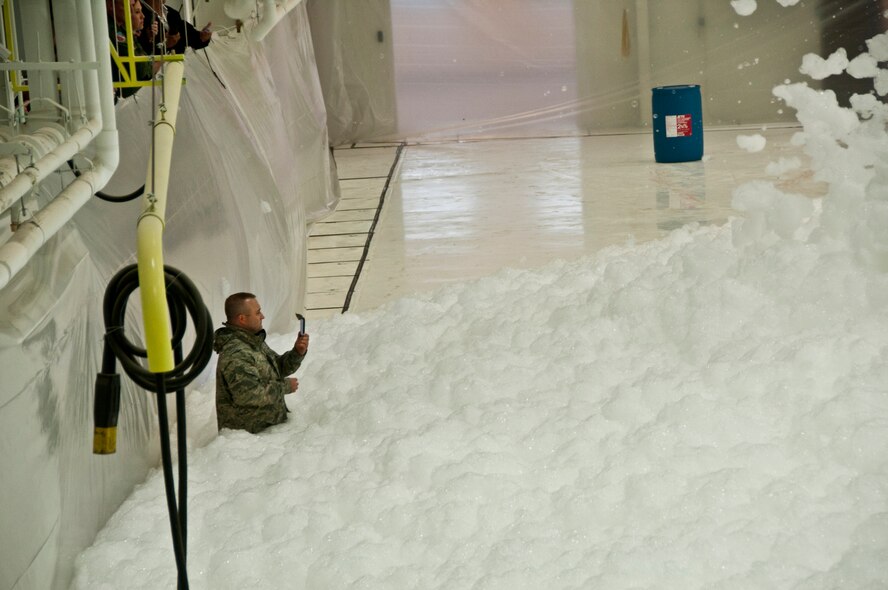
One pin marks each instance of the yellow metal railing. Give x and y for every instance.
(8, 34)
(126, 64)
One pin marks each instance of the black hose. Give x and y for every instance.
(121, 198)
(182, 297)
(112, 198)
(176, 524)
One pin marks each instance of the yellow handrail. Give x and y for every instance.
(149, 246)
(126, 65)
(7, 29)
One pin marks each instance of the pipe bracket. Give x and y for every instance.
(165, 122)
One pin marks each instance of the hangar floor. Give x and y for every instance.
(413, 217)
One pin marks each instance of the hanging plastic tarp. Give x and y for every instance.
(438, 69)
(251, 168)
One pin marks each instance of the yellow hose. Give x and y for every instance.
(149, 247)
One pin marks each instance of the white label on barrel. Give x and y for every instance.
(678, 126)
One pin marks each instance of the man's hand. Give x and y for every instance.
(206, 33)
(294, 383)
(301, 345)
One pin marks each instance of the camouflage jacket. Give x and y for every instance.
(251, 380)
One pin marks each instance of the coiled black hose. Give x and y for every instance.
(182, 297)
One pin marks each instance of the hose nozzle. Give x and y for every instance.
(105, 411)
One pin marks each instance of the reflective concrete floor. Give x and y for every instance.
(414, 217)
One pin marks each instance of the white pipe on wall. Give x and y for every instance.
(98, 94)
(187, 16)
(15, 253)
(38, 46)
(238, 9)
(71, 50)
(271, 14)
(40, 170)
(68, 51)
(19, 150)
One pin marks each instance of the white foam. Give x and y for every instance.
(881, 82)
(878, 46)
(863, 66)
(703, 411)
(818, 68)
(752, 143)
(744, 7)
(782, 166)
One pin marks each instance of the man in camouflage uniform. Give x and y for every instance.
(251, 378)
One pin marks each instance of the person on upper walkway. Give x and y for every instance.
(117, 30)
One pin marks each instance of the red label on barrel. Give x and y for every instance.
(678, 126)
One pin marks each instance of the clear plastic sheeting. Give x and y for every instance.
(54, 493)
(353, 44)
(525, 68)
(251, 168)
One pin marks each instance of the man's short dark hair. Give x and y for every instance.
(236, 304)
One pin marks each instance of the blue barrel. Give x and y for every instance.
(678, 123)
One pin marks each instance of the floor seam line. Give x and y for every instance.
(385, 188)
